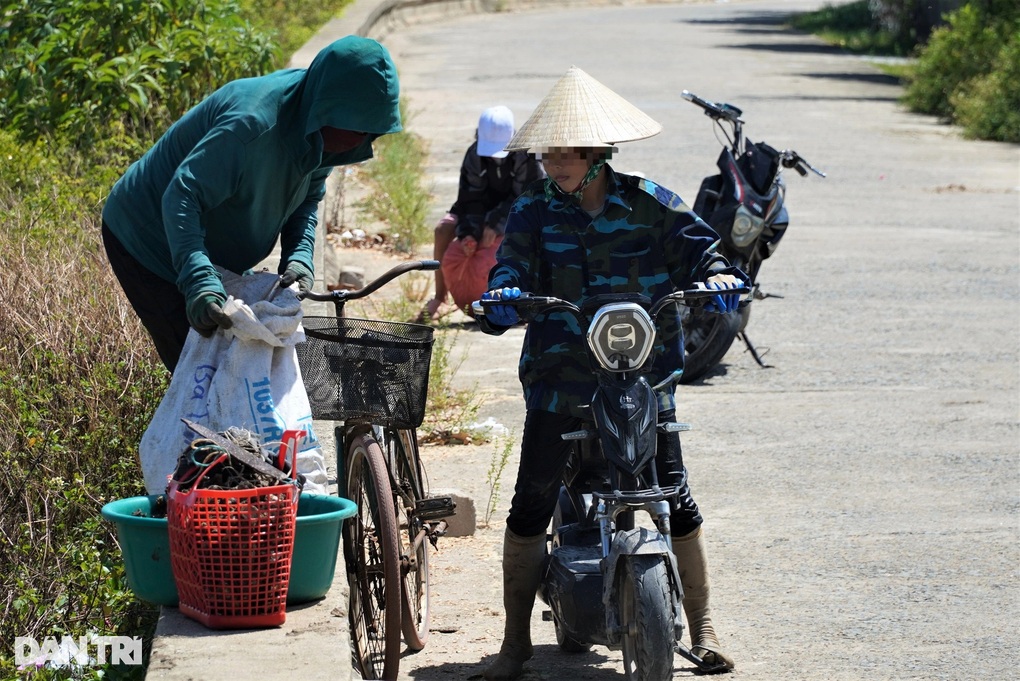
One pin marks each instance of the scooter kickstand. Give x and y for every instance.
(702, 666)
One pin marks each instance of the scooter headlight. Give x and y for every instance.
(621, 336)
(746, 227)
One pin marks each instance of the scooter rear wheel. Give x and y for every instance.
(646, 618)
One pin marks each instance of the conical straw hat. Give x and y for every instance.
(579, 111)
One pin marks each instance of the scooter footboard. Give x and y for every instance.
(573, 590)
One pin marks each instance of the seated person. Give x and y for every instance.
(468, 235)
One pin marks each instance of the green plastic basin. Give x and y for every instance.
(145, 546)
(316, 544)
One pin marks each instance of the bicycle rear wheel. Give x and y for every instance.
(373, 562)
(414, 596)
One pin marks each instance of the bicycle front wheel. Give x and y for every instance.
(373, 562)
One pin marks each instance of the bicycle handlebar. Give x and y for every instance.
(374, 285)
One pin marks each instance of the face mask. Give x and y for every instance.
(335, 140)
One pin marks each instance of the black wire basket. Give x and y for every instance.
(363, 370)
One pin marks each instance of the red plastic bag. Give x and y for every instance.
(468, 278)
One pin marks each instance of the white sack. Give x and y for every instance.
(247, 376)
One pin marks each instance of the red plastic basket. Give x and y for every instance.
(230, 551)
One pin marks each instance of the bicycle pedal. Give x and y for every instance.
(434, 508)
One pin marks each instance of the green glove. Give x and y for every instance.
(205, 313)
(300, 273)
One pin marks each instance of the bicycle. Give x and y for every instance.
(372, 376)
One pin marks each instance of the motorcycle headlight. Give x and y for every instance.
(621, 336)
(746, 227)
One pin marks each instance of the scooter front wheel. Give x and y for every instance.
(646, 617)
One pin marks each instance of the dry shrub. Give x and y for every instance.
(79, 381)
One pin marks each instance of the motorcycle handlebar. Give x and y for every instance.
(791, 159)
(731, 114)
(717, 111)
(374, 285)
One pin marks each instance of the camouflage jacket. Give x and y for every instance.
(646, 240)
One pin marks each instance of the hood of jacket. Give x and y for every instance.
(351, 84)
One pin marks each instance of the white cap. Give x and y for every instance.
(495, 128)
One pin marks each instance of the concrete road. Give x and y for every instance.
(861, 496)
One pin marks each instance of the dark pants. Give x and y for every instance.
(156, 301)
(544, 455)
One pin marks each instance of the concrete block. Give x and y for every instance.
(351, 278)
(462, 523)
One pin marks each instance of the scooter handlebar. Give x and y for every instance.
(528, 304)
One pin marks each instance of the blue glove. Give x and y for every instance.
(722, 304)
(502, 315)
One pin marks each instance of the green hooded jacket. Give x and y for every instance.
(246, 166)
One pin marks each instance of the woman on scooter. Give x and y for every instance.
(583, 231)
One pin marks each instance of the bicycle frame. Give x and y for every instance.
(379, 463)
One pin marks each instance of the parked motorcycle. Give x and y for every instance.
(746, 204)
(606, 580)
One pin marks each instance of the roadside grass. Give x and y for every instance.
(293, 22)
(397, 194)
(451, 411)
(497, 464)
(901, 71)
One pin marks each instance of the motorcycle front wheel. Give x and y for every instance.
(646, 617)
(707, 338)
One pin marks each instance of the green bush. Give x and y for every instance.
(967, 71)
(85, 87)
(988, 107)
(76, 68)
(955, 55)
